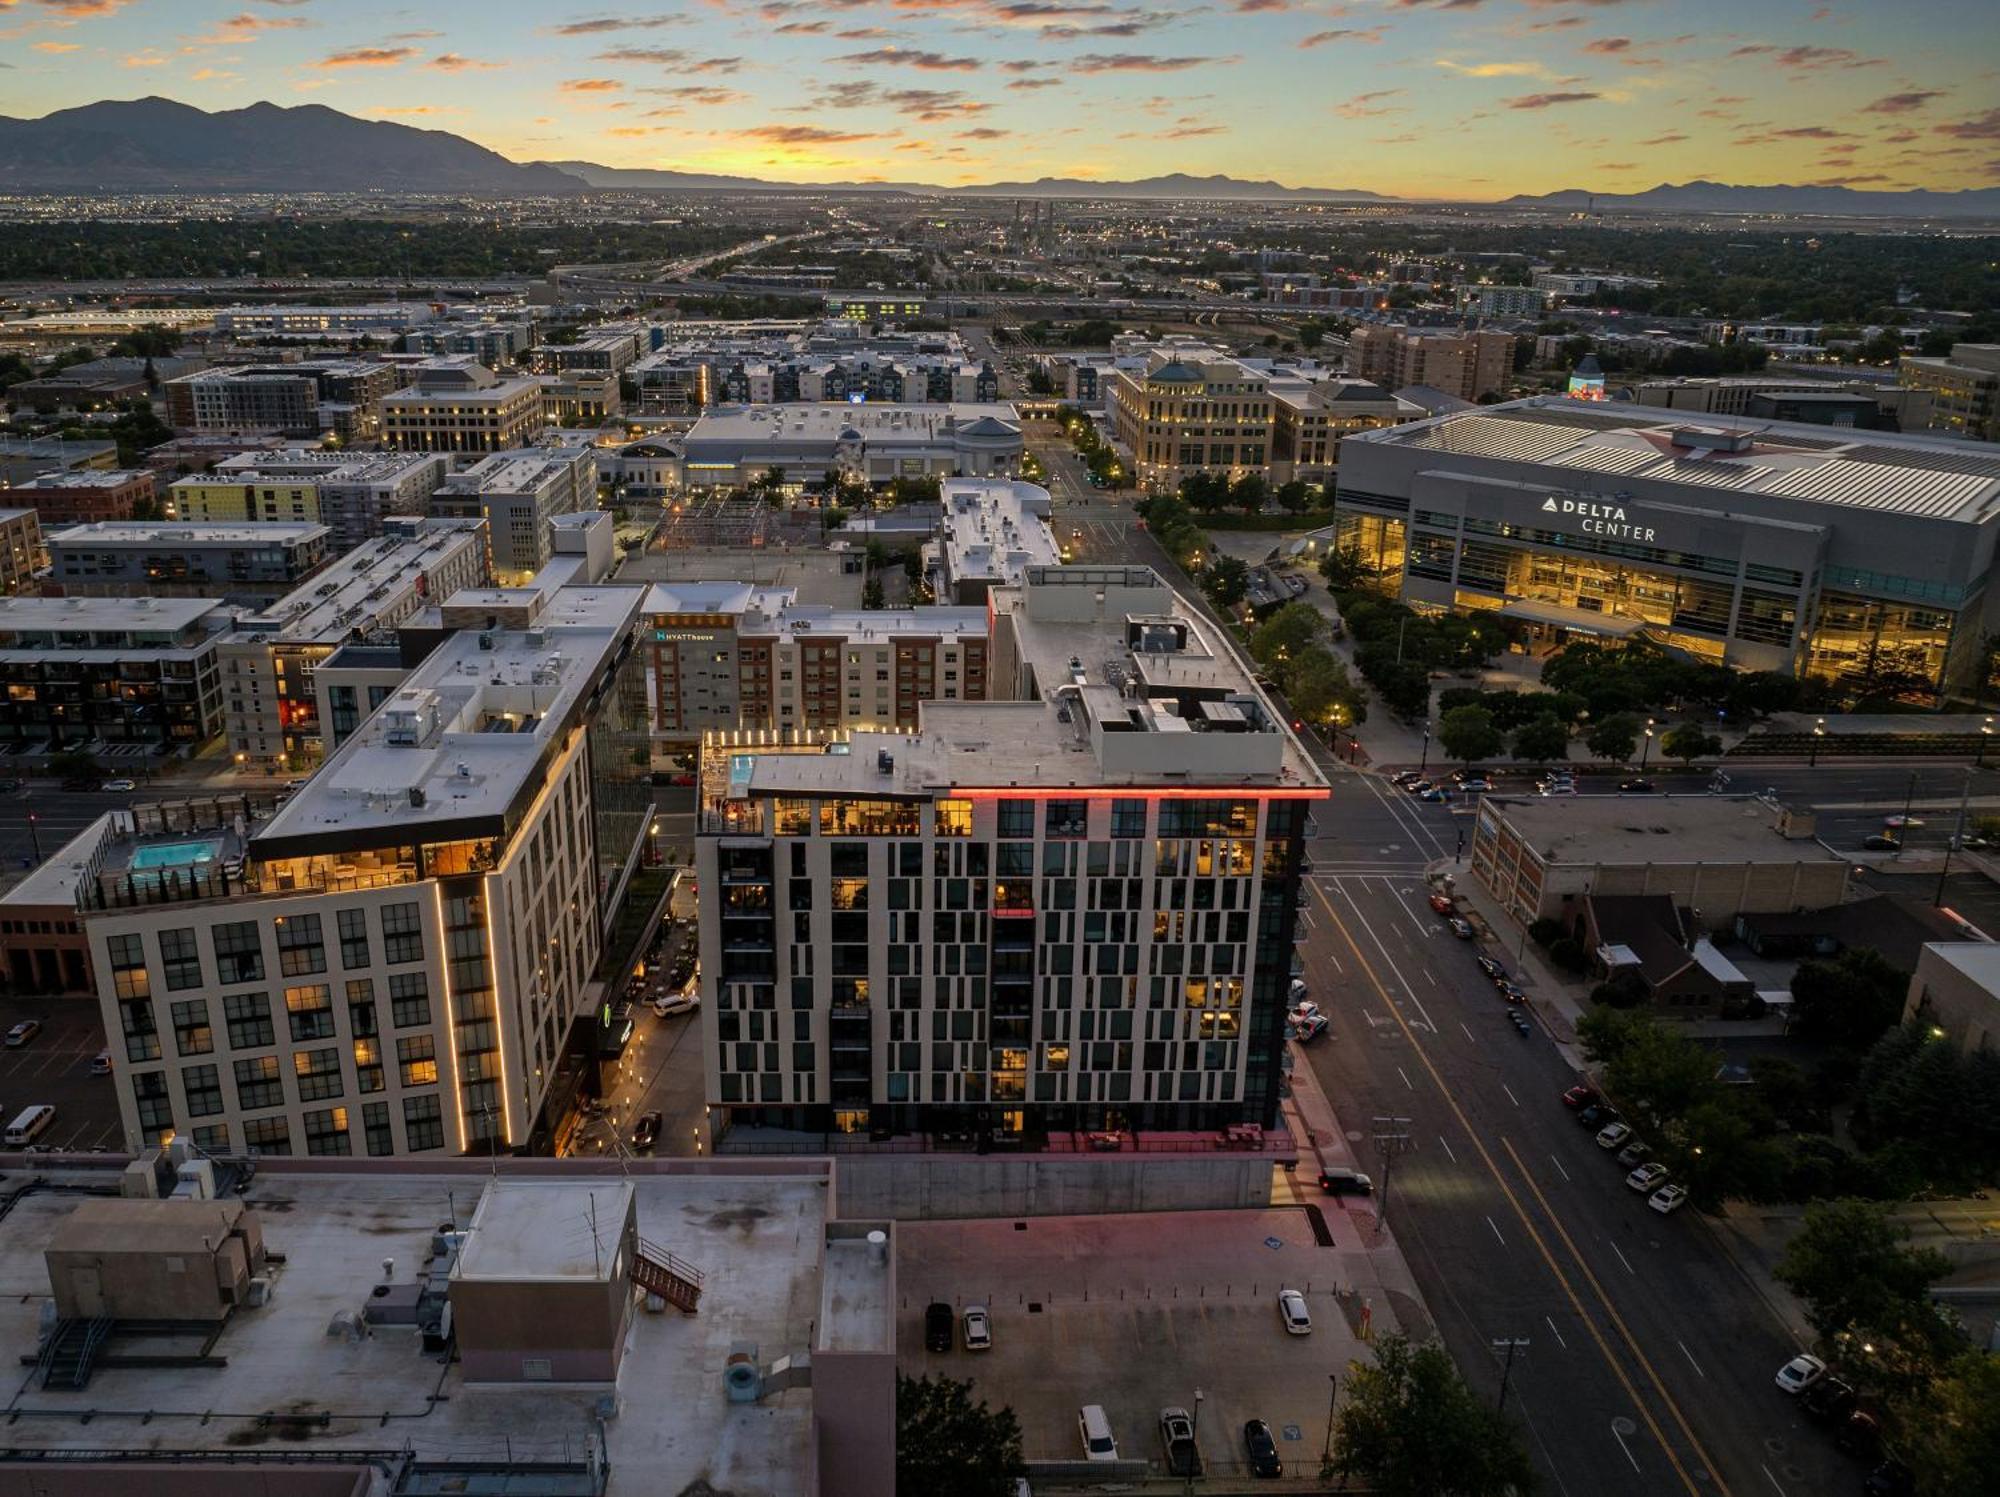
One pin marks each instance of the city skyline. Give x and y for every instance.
(1472, 99)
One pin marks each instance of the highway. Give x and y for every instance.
(1649, 1360)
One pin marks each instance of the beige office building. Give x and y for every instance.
(1467, 365)
(1189, 414)
(459, 405)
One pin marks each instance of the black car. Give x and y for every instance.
(1827, 1400)
(646, 1132)
(1636, 787)
(1262, 1449)
(1492, 968)
(1890, 1479)
(1597, 1115)
(937, 1326)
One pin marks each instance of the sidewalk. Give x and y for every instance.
(1372, 1264)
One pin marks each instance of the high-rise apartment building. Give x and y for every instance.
(397, 961)
(1467, 365)
(167, 558)
(331, 395)
(518, 493)
(125, 670)
(21, 549)
(1072, 907)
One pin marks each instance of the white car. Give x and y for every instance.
(1304, 1009)
(1298, 992)
(1292, 1312)
(120, 785)
(1801, 1373)
(1668, 1199)
(677, 1003)
(978, 1329)
(1614, 1136)
(1647, 1178)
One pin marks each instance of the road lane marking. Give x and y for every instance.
(1690, 1356)
(1385, 955)
(1619, 1436)
(1496, 1232)
(1510, 1094)
(1773, 1480)
(1713, 1480)
(1559, 1166)
(1428, 978)
(1556, 1333)
(1628, 1267)
(1406, 1077)
(1447, 1148)
(1468, 1032)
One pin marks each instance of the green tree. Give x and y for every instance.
(1410, 1426)
(949, 1446)
(1248, 493)
(1867, 1290)
(1294, 496)
(1690, 742)
(872, 595)
(1542, 740)
(1849, 1000)
(1468, 733)
(1315, 683)
(1949, 1429)
(1614, 738)
(1286, 632)
(1205, 491)
(1226, 582)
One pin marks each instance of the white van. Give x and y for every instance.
(1096, 1429)
(30, 1125)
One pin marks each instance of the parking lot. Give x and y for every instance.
(1137, 1312)
(54, 1067)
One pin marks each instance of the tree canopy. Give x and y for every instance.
(949, 1446)
(1410, 1426)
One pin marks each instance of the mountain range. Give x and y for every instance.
(157, 144)
(1721, 197)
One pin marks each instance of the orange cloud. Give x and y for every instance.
(367, 57)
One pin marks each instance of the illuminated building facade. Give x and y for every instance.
(1071, 908)
(1767, 545)
(400, 959)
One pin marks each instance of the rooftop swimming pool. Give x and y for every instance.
(176, 854)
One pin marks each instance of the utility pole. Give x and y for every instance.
(1424, 759)
(1507, 1347)
(1391, 1136)
(1194, 1438)
(1955, 840)
(1909, 799)
(1332, 1399)
(34, 838)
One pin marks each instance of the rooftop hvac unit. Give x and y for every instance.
(417, 796)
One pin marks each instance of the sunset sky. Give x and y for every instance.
(1425, 98)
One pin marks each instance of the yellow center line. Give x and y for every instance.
(1617, 1367)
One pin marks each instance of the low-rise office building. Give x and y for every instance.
(1964, 388)
(1187, 413)
(519, 494)
(1071, 907)
(352, 493)
(87, 494)
(1772, 546)
(1956, 991)
(580, 397)
(991, 531)
(730, 446)
(493, 344)
(1719, 858)
(124, 670)
(269, 658)
(169, 558)
(403, 958)
(459, 406)
(292, 320)
(21, 550)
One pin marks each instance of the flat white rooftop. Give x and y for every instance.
(824, 421)
(546, 1229)
(757, 1238)
(102, 615)
(86, 478)
(154, 534)
(369, 580)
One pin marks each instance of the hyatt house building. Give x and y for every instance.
(1861, 558)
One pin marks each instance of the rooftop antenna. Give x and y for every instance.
(596, 1252)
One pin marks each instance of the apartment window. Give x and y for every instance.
(326, 1132)
(1017, 818)
(376, 1133)
(128, 966)
(353, 927)
(212, 1138)
(318, 1072)
(423, 1123)
(267, 1136)
(409, 999)
(156, 1108)
(416, 1059)
(311, 1009)
(361, 1007)
(300, 948)
(202, 1086)
(142, 1039)
(1128, 818)
(180, 960)
(192, 1036)
(368, 1065)
(248, 1016)
(259, 1083)
(402, 934)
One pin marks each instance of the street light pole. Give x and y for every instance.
(1909, 799)
(1985, 732)
(1392, 1136)
(1507, 1347)
(1332, 1398)
(1194, 1439)
(1819, 732)
(34, 838)
(1646, 749)
(1424, 759)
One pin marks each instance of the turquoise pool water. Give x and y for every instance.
(176, 854)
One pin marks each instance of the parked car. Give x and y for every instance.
(1520, 1022)
(1647, 1178)
(1890, 1479)
(1509, 993)
(1668, 1199)
(1340, 1181)
(669, 1004)
(1418, 787)
(1310, 1028)
(1435, 794)
(1302, 1008)
(1634, 1152)
(100, 1063)
(1461, 928)
(1828, 1400)
(1597, 1115)
(1636, 787)
(1800, 1373)
(1098, 1444)
(978, 1329)
(1262, 1449)
(1477, 785)
(937, 1326)
(22, 1032)
(1442, 904)
(1292, 1313)
(119, 786)
(1491, 968)
(646, 1132)
(1878, 842)
(1405, 777)
(1613, 1136)
(1298, 993)
(1177, 1436)
(1580, 1095)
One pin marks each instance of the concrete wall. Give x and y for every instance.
(122, 1479)
(917, 1187)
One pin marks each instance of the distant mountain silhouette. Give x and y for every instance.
(153, 143)
(1177, 185)
(1721, 197)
